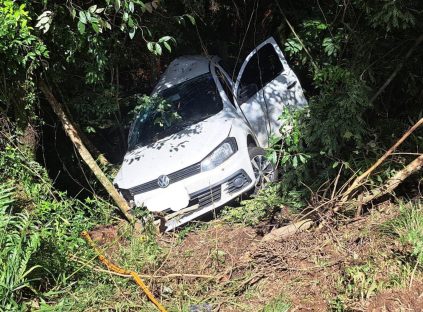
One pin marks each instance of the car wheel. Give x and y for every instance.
(264, 170)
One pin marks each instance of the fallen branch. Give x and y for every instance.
(288, 230)
(392, 183)
(361, 178)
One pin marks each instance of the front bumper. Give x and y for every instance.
(204, 191)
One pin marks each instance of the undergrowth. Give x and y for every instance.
(252, 211)
(408, 228)
(40, 231)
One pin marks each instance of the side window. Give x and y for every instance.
(225, 85)
(262, 68)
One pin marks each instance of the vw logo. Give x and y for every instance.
(163, 181)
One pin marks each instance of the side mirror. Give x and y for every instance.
(246, 91)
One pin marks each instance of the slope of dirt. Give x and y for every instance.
(212, 250)
(347, 266)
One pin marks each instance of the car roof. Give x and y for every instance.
(182, 69)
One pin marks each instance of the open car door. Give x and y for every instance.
(264, 87)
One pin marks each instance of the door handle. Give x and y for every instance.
(291, 85)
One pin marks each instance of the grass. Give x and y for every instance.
(374, 266)
(408, 228)
(278, 304)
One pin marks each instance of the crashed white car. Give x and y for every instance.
(215, 151)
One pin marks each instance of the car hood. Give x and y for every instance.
(174, 152)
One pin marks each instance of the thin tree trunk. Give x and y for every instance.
(90, 146)
(73, 134)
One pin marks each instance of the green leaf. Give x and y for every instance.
(148, 7)
(130, 22)
(125, 16)
(95, 27)
(82, 17)
(150, 46)
(132, 33)
(191, 18)
(167, 46)
(117, 5)
(81, 27)
(165, 38)
(295, 161)
(88, 15)
(131, 7)
(158, 49)
(42, 21)
(92, 8)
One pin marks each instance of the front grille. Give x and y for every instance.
(185, 173)
(206, 197)
(173, 178)
(242, 180)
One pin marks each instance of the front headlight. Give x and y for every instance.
(220, 154)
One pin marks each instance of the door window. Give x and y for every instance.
(263, 67)
(225, 85)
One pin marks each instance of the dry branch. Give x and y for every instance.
(286, 231)
(392, 183)
(360, 179)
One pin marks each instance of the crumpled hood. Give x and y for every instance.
(174, 152)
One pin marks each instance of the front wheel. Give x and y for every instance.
(264, 171)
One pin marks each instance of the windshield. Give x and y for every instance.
(188, 103)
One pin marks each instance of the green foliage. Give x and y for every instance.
(337, 114)
(20, 54)
(389, 15)
(408, 227)
(40, 228)
(165, 114)
(361, 281)
(252, 211)
(19, 240)
(17, 41)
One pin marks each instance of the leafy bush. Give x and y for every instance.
(40, 228)
(19, 240)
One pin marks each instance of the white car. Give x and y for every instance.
(215, 151)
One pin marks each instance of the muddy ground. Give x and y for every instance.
(350, 266)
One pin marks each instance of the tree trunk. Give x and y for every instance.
(73, 134)
(91, 147)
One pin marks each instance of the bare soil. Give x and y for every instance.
(410, 299)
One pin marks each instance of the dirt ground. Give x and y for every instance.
(228, 266)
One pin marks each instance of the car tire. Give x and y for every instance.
(264, 170)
